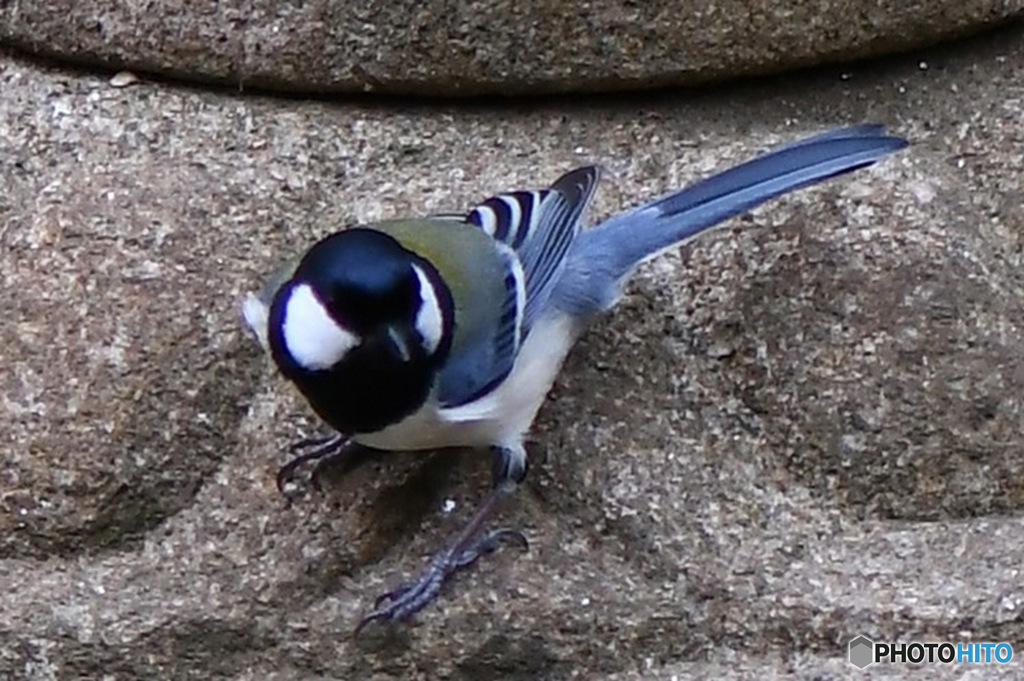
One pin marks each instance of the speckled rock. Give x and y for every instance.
(473, 47)
(799, 429)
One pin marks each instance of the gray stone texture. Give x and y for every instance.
(804, 427)
(469, 47)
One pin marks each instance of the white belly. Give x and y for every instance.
(499, 418)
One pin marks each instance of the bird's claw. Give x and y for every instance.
(409, 598)
(488, 542)
(392, 595)
(319, 449)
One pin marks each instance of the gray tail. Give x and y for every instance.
(625, 240)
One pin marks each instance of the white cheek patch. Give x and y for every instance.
(312, 337)
(429, 320)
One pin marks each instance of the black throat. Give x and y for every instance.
(364, 394)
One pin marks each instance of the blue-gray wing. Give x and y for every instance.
(532, 232)
(485, 346)
(539, 226)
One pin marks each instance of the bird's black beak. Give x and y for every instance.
(395, 342)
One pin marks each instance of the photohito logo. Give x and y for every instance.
(864, 651)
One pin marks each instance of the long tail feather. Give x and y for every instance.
(614, 248)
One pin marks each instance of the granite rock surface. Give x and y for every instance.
(473, 47)
(798, 429)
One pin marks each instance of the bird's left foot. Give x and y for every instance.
(410, 598)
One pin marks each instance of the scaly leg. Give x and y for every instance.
(471, 543)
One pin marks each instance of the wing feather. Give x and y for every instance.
(532, 232)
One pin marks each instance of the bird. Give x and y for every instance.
(449, 330)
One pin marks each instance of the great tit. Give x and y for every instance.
(449, 330)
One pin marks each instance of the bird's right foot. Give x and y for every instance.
(335, 452)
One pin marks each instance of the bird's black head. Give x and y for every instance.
(361, 328)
